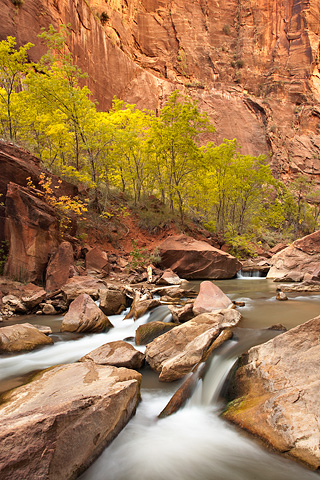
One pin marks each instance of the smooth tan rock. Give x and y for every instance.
(84, 316)
(176, 352)
(303, 256)
(118, 354)
(58, 270)
(191, 258)
(22, 337)
(56, 425)
(210, 299)
(48, 309)
(277, 392)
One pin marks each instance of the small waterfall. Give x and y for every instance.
(251, 274)
(194, 443)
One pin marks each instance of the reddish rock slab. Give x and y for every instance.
(117, 354)
(210, 299)
(194, 259)
(56, 425)
(21, 338)
(97, 261)
(84, 316)
(59, 267)
(84, 284)
(276, 391)
(112, 302)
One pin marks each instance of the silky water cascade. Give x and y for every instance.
(194, 443)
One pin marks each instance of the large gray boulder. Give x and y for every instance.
(56, 425)
(276, 392)
(190, 258)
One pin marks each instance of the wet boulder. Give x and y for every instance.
(118, 354)
(175, 353)
(276, 392)
(21, 338)
(210, 299)
(192, 259)
(56, 425)
(84, 316)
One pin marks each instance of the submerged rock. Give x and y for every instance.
(56, 425)
(276, 391)
(191, 258)
(118, 354)
(84, 316)
(21, 338)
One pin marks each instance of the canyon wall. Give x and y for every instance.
(252, 65)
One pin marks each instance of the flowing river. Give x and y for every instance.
(194, 443)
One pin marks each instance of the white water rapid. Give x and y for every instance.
(192, 444)
(195, 443)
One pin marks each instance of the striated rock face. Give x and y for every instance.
(33, 233)
(277, 392)
(191, 258)
(302, 257)
(57, 424)
(253, 65)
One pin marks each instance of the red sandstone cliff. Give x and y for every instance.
(254, 66)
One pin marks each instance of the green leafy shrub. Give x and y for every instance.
(141, 257)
